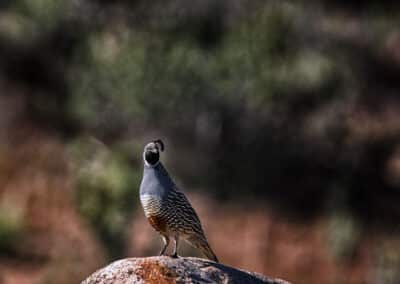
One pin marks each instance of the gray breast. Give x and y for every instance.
(155, 181)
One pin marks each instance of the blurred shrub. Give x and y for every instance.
(107, 82)
(34, 18)
(343, 236)
(11, 227)
(106, 191)
(387, 262)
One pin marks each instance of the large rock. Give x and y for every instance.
(163, 269)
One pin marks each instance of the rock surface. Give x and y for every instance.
(163, 269)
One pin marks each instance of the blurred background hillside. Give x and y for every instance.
(281, 121)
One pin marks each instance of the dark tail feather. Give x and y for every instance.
(204, 247)
(207, 251)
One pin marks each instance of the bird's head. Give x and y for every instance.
(151, 153)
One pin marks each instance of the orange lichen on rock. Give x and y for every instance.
(154, 272)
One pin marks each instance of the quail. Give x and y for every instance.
(166, 207)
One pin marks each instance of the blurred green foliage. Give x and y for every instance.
(106, 191)
(11, 228)
(125, 73)
(387, 262)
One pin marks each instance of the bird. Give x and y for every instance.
(166, 208)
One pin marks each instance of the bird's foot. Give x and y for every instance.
(174, 255)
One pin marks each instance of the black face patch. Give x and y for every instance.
(152, 157)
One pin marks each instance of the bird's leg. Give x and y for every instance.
(175, 252)
(166, 243)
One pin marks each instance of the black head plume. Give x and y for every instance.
(160, 143)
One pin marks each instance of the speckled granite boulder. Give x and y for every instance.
(163, 269)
